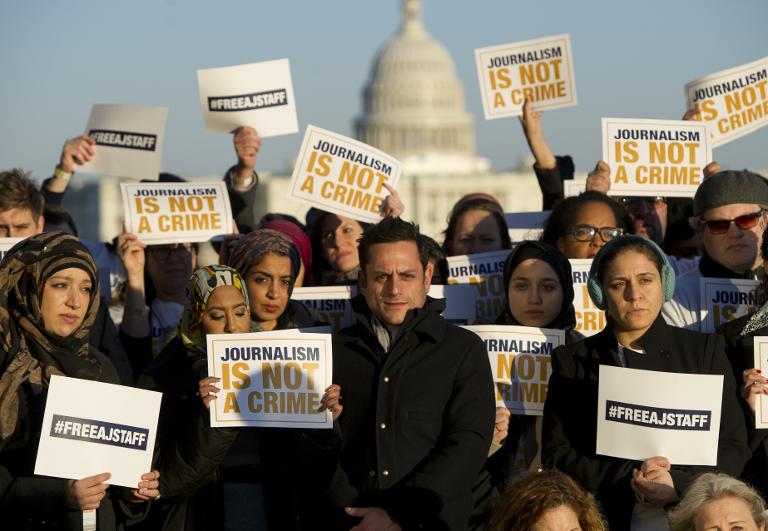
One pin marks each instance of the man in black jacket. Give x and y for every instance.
(418, 395)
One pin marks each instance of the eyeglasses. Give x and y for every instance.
(163, 252)
(586, 233)
(721, 226)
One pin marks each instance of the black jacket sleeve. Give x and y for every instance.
(551, 181)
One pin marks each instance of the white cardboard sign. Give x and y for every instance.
(725, 299)
(485, 272)
(333, 303)
(655, 157)
(93, 427)
(540, 70)
(732, 102)
(160, 213)
(589, 318)
(342, 175)
(642, 414)
(270, 379)
(521, 364)
(129, 140)
(761, 362)
(259, 95)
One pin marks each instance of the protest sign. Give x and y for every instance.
(589, 318)
(160, 213)
(270, 379)
(526, 225)
(521, 364)
(540, 70)
(259, 95)
(655, 157)
(732, 102)
(460, 302)
(6, 244)
(332, 303)
(342, 175)
(642, 414)
(725, 299)
(761, 363)
(485, 272)
(573, 187)
(93, 427)
(129, 140)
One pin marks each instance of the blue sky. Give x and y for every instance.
(632, 60)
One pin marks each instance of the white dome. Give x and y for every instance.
(413, 104)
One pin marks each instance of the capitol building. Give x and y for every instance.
(413, 108)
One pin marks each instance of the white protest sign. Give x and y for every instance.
(521, 364)
(160, 213)
(642, 414)
(485, 272)
(655, 157)
(259, 95)
(526, 225)
(732, 102)
(540, 70)
(460, 302)
(725, 299)
(93, 427)
(589, 318)
(270, 379)
(333, 303)
(129, 140)
(342, 175)
(761, 362)
(6, 244)
(573, 187)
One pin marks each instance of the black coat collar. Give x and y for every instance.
(654, 342)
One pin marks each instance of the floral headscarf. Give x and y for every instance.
(199, 288)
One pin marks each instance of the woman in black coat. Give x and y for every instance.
(631, 278)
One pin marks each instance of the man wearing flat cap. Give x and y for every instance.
(730, 214)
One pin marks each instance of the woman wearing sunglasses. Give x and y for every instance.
(730, 214)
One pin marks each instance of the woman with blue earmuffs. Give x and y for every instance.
(630, 279)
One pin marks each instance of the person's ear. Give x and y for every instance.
(560, 244)
(40, 224)
(428, 272)
(361, 279)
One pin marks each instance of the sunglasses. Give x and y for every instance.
(586, 233)
(721, 226)
(164, 252)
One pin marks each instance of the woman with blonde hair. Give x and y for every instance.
(719, 502)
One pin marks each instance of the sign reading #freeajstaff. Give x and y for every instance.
(342, 175)
(521, 364)
(761, 362)
(93, 427)
(540, 70)
(589, 318)
(642, 414)
(725, 299)
(270, 379)
(129, 140)
(655, 157)
(160, 213)
(485, 272)
(259, 95)
(733, 102)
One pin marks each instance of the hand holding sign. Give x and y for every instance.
(754, 384)
(78, 150)
(247, 146)
(87, 493)
(655, 488)
(149, 489)
(599, 179)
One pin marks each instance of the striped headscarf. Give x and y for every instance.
(32, 354)
(252, 247)
(201, 285)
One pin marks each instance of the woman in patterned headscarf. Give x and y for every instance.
(217, 303)
(48, 303)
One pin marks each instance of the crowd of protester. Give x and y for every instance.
(417, 441)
